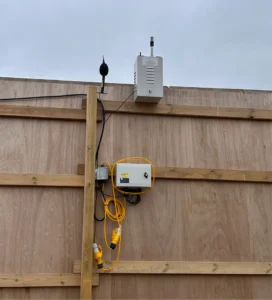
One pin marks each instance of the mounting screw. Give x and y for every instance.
(145, 175)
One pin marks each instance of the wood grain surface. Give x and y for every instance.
(21, 111)
(41, 146)
(40, 233)
(41, 180)
(50, 113)
(184, 267)
(41, 228)
(175, 110)
(89, 197)
(42, 280)
(205, 174)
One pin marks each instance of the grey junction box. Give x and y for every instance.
(133, 175)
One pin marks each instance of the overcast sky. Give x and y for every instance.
(207, 43)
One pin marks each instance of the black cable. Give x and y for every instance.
(95, 200)
(96, 161)
(105, 194)
(130, 198)
(120, 106)
(102, 131)
(133, 199)
(42, 97)
(95, 217)
(112, 195)
(104, 120)
(102, 193)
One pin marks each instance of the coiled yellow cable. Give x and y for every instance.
(118, 216)
(120, 207)
(120, 210)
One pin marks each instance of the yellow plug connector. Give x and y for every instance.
(97, 252)
(115, 237)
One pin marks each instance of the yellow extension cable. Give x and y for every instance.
(120, 207)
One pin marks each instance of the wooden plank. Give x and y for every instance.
(89, 192)
(213, 174)
(62, 180)
(161, 173)
(176, 110)
(207, 174)
(42, 280)
(186, 267)
(41, 180)
(50, 113)
(188, 110)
